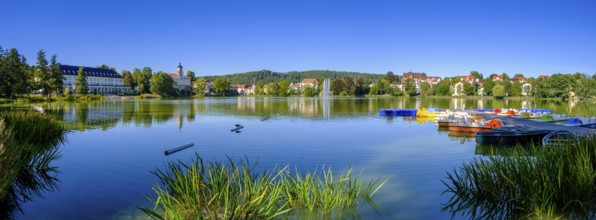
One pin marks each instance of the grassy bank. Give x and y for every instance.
(28, 145)
(237, 190)
(554, 182)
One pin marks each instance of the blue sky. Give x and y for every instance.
(443, 38)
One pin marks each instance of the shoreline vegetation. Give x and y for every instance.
(537, 182)
(28, 144)
(239, 190)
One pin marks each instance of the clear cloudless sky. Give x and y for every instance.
(443, 38)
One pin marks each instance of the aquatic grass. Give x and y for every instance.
(539, 182)
(28, 145)
(238, 190)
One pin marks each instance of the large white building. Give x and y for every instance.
(182, 82)
(99, 81)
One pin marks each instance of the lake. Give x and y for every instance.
(114, 144)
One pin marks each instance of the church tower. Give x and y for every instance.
(179, 70)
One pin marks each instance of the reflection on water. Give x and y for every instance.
(107, 114)
(25, 163)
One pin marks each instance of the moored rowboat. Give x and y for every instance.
(510, 137)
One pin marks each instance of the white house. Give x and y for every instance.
(182, 82)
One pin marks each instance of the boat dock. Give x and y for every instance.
(541, 125)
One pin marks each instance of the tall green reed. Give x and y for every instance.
(238, 190)
(548, 182)
(28, 145)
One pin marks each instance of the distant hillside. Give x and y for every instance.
(267, 76)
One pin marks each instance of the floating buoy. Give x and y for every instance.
(174, 150)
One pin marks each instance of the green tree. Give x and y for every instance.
(199, 86)
(498, 91)
(191, 74)
(519, 75)
(390, 77)
(127, 79)
(272, 89)
(349, 85)
(409, 87)
(141, 79)
(13, 74)
(444, 87)
(221, 86)
(516, 89)
(57, 78)
(476, 74)
(424, 88)
(337, 86)
(488, 86)
(309, 91)
(361, 87)
(162, 84)
(42, 74)
(585, 87)
(469, 89)
(104, 66)
(284, 88)
(259, 89)
(81, 82)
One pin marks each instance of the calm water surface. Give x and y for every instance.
(113, 144)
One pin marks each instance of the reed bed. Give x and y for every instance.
(542, 182)
(28, 145)
(238, 190)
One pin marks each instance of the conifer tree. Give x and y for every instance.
(81, 82)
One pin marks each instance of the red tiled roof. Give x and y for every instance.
(309, 80)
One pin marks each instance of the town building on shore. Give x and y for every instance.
(182, 82)
(99, 81)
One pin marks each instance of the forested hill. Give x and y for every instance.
(267, 76)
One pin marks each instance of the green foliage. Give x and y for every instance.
(476, 74)
(162, 84)
(585, 87)
(443, 88)
(127, 79)
(469, 89)
(350, 87)
(199, 86)
(556, 86)
(284, 88)
(488, 86)
(259, 88)
(272, 89)
(28, 145)
(391, 77)
(380, 87)
(267, 76)
(237, 190)
(424, 88)
(56, 76)
(221, 86)
(191, 74)
(43, 78)
(516, 89)
(104, 66)
(498, 91)
(361, 87)
(539, 182)
(519, 75)
(410, 87)
(337, 86)
(13, 74)
(309, 91)
(81, 82)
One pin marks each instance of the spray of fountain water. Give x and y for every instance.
(326, 92)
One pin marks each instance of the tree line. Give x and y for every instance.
(19, 78)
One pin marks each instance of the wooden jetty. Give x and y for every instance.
(541, 125)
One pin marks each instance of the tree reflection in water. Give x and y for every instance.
(28, 144)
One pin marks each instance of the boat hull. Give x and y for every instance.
(510, 138)
(469, 128)
(443, 123)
